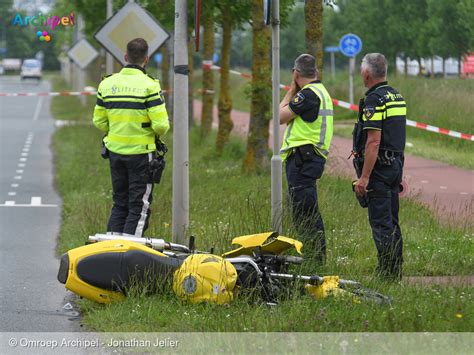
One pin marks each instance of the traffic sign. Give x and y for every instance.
(130, 22)
(350, 45)
(331, 49)
(82, 53)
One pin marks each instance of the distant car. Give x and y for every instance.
(31, 68)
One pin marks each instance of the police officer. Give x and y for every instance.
(379, 143)
(131, 111)
(307, 111)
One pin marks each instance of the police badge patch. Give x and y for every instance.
(298, 99)
(369, 112)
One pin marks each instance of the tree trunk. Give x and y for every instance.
(405, 69)
(207, 75)
(313, 15)
(460, 66)
(225, 99)
(256, 158)
(165, 76)
(444, 68)
(190, 82)
(432, 74)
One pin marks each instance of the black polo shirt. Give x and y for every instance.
(306, 104)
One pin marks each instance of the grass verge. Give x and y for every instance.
(224, 204)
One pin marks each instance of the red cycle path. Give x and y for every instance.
(448, 190)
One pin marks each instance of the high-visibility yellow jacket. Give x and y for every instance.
(130, 108)
(318, 133)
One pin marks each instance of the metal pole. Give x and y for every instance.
(351, 79)
(333, 65)
(180, 129)
(81, 74)
(276, 164)
(109, 60)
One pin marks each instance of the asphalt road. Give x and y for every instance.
(31, 298)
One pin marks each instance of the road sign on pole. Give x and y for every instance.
(350, 45)
(82, 53)
(130, 22)
(332, 50)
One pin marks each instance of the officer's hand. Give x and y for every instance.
(361, 186)
(294, 88)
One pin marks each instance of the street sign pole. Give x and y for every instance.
(109, 60)
(276, 163)
(180, 126)
(351, 79)
(81, 74)
(333, 65)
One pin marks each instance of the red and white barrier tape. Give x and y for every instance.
(66, 93)
(353, 107)
(76, 93)
(207, 66)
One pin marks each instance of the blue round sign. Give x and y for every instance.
(350, 45)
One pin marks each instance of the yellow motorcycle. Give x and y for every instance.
(105, 268)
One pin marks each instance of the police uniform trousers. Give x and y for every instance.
(301, 177)
(132, 193)
(383, 206)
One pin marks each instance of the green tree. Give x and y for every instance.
(313, 17)
(256, 158)
(208, 20)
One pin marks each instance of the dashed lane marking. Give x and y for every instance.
(464, 193)
(17, 177)
(36, 201)
(21, 165)
(424, 181)
(38, 109)
(19, 171)
(443, 187)
(23, 159)
(12, 193)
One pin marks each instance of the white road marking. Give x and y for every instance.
(18, 177)
(21, 165)
(12, 204)
(424, 181)
(443, 187)
(14, 185)
(19, 171)
(23, 159)
(38, 108)
(464, 193)
(26, 150)
(24, 154)
(12, 193)
(36, 201)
